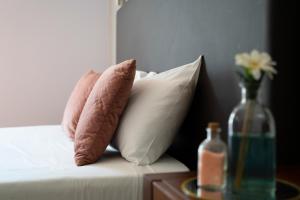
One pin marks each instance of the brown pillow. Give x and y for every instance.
(100, 115)
(77, 101)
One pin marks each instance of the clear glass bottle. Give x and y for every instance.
(212, 160)
(251, 145)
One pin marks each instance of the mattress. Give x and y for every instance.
(37, 163)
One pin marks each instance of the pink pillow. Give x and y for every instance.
(100, 115)
(77, 101)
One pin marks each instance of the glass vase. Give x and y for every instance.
(251, 146)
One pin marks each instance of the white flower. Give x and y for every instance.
(256, 62)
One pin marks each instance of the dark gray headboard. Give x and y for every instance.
(163, 34)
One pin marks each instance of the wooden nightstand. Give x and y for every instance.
(166, 186)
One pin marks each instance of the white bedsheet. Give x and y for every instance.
(36, 163)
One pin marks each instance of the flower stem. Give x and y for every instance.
(244, 145)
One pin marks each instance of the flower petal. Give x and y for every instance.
(255, 55)
(242, 59)
(256, 74)
(269, 69)
(266, 57)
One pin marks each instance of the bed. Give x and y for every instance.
(37, 163)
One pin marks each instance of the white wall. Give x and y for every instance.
(45, 46)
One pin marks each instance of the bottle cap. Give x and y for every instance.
(214, 126)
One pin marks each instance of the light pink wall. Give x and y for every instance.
(45, 46)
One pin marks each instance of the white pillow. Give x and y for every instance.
(156, 108)
(142, 74)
